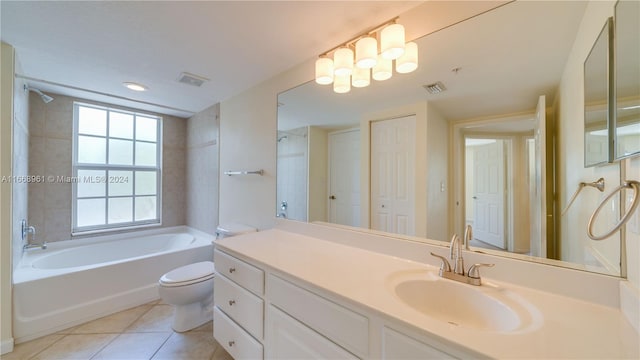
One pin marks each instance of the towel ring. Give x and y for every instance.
(628, 184)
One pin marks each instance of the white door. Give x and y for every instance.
(538, 195)
(344, 178)
(489, 193)
(393, 151)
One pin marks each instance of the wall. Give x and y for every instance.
(437, 176)
(318, 174)
(202, 156)
(248, 120)
(7, 72)
(570, 169)
(248, 128)
(20, 193)
(50, 151)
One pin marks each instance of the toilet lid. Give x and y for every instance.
(189, 273)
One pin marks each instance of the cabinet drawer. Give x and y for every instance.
(290, 339)
(341, 325)
(239, 304)
(396, 345)
(244, 274)
(238, 343)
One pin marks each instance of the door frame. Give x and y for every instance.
(457, 132)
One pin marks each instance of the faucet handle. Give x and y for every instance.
(444, 267)
(474, 272)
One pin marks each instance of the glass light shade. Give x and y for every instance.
(366, 52)
(324, 71)
(392, 41)
(408, 62)
(383, 69)
(360, 77)
(342, 84)
(343, 62)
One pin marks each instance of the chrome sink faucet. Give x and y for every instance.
(472, 277)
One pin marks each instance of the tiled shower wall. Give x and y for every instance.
(50, 146)
(202, 169)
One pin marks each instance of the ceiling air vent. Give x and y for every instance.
(435, 88)
(191, 79)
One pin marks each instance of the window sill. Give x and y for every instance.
(81, 234)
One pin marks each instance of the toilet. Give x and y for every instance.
(189, 288)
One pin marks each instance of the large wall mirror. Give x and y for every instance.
(482, 149)
(627, 53)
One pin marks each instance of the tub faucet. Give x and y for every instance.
(26, 230)
(457, 273)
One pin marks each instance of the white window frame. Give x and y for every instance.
(108, 167)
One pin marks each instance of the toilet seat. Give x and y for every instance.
(188, 274)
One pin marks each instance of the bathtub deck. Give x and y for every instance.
(143, 332)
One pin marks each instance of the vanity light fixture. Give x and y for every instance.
(134, 86)
(355, 62)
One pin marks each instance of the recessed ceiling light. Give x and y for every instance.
(134, 86)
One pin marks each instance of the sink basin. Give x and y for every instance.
(483, 307)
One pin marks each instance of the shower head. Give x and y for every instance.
(46, 98)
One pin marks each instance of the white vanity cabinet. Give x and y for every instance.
(399, 346)
(239, 307)
(261, 313)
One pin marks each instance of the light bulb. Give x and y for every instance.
(342, 84)
(343, 62)
(408, 62)
(392, 41)
(324, 71)
(383, 69)
(366, 52)
(360, 77)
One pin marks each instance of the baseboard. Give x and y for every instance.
(6, 346)
(630, 303)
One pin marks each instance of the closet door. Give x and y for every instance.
(393, 153)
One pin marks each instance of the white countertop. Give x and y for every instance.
(565, 327)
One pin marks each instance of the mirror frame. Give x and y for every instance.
(607, 34)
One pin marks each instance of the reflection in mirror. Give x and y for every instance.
(498, 109)
(627, 35)
(596, 104)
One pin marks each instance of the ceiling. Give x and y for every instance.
(88, 49)
(507, 58)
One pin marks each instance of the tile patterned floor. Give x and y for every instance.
(140, 333)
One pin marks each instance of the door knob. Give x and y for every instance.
(332, 197)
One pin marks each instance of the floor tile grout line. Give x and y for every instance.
(105, 345)
(48, 346)
(161, 345)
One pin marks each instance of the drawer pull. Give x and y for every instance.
(231, 343)
(231, 302)
(232, 270)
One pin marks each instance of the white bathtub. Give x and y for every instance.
(75, 281)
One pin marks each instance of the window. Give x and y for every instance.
(116, 168)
